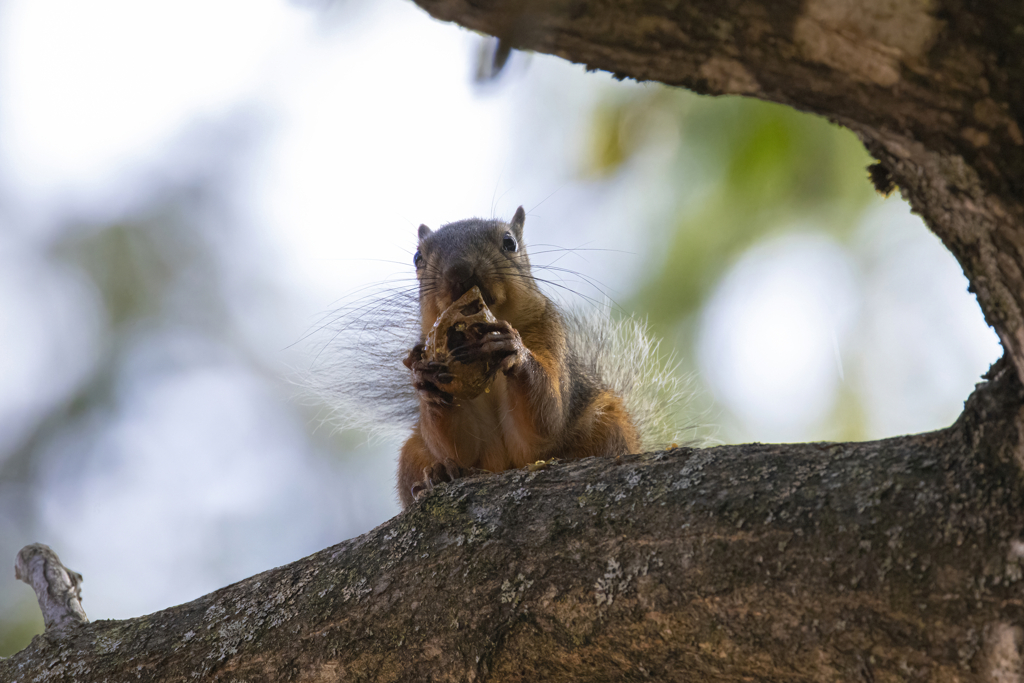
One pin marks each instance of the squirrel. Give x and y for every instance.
(543, 401)
(567, 383)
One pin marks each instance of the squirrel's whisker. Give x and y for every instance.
(558, 365)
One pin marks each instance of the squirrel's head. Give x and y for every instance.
(489, 254)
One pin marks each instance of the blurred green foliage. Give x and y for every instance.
(130, 272)
(17, 629)
(137, 269)
(763, 169)
(738, 171)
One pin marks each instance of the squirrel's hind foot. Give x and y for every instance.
(443, 472)
(439, 473)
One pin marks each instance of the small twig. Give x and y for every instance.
(56, 586)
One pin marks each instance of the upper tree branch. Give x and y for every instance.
(934, 89)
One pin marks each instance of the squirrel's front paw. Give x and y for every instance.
(439, 473)
(428, 377)
(415, 355)
(498, 343)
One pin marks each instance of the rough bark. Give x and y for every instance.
(889, 560)
(58, 589)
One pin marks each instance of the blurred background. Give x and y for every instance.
(187, 188)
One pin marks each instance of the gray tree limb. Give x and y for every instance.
(57, 588)
(934, 89)
(889, 560)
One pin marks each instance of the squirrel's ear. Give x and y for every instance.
(517, 223)
(424, 232)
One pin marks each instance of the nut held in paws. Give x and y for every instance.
(454, 328)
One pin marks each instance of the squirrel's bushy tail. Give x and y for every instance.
(359, 372)
(627, 359)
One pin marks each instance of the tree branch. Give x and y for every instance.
(876, 561)
(935, 90)
(58, 589)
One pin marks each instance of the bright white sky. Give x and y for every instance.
(92, 89)
(371, 127)
(370, 138)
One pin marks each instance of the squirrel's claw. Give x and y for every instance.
(498, 327)
(427, 376)
(439, 473)
(416, 354)
(430, 393)
(497, 342)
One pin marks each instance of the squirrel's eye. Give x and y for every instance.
(416, 258)
(508, 243)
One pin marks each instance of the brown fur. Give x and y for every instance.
(525, 415)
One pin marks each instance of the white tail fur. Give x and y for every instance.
(360, 375)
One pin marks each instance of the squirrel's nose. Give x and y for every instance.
(459, 277)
